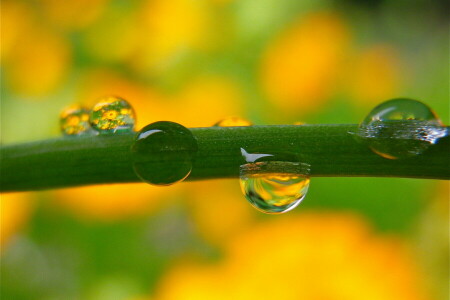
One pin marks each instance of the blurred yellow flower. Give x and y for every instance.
(206, 100)
(433, 239)
(307, 256)
(202, 102)
(300, 68)
(72, 14)
(375, 75)
(38, 62)
(170, 28)
(15, 210)
(114, 37)
(113, 202)
(209, 199)
(148, 104)
(16, 18)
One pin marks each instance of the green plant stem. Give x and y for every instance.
(331, 150)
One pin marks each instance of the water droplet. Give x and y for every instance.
(112, 114)
(74, 120)
(299, 123)
(273, 186)
(163, 153)
(401, 128)
(232, 122)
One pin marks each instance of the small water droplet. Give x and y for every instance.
(112, 114)
(401, 128)
(272, 186)
(232, 122)
(74, 120)
(163, 153)
(299, 123)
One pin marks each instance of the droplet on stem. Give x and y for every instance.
(74, 120)
(163, 153)
(232, 122)
(401, 128)
(272, 186)
(111, 115)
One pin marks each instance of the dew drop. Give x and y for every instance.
(111, 115)
(163, 153)
(273, 186)
(299, 123)
(74, 120)
(232, 122)
(401, 128)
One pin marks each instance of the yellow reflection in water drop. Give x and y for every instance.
(233, 121)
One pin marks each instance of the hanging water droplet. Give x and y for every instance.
(232, 122)
(401, 128)
(163, 153)
(112, 114)
(74, 120)
(272, 186)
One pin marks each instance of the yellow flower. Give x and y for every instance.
(299, 69)
(306, 256)
(206, 100)
(115, 37)
(72, 14)
(209, 199)
(16, 18)
(15, 211)
(113, 202)
(38, 62)
(171, 28)
(374, 75)
(202, 102)
(433, 240)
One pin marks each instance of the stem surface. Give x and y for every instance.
(331, 150)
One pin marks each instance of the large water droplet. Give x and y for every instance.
(74, 120)
(401, 128)
(232, 122)
(163, 153)
(272, 186)
(112, 114)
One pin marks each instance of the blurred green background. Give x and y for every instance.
(195, 62)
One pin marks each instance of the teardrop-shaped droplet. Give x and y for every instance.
(232, 122)
(163, 153)
(274, 187)
(273, 182)
(401, 128)
(74, 120)
(112, 115)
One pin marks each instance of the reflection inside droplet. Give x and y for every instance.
(401, 128)
(273, 186)
(163, 153)
(111, 115)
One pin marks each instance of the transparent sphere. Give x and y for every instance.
(112, 114)
(74, 120)
(271, 191)
(163, 153)
(401, 128)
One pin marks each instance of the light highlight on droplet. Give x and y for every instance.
(112, 114)
(401, 128)
(74, 120)
(163, 153)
